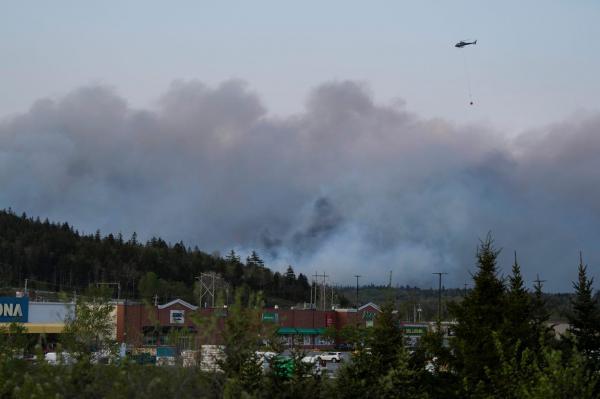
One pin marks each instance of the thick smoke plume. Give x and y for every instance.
(348, 186)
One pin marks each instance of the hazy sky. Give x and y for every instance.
(536, 61)
(322, 134)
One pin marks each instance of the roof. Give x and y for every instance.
(350, 310)
(180, 302)
(370, 304)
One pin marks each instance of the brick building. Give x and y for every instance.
(149, 325)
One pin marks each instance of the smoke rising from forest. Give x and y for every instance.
(349, 186)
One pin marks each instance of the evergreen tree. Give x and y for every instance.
(387, 342)
(290, 276)
(254, 260)
(479, 317)
(585, 318)
(518, 329)
(364, 377)
(241, 336)
(232, 257)
(540, 315)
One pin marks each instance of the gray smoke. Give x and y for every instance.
(348, 186)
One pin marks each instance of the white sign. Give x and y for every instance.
(177, 316)
(11, 310)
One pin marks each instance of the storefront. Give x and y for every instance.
(43, 321)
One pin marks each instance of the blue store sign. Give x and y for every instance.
(14, 309)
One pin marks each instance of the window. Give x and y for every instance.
(306, 340)
(150, 339)
(320, 340)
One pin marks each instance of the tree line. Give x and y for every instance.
(56, 257)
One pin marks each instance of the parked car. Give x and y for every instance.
(54, 358)
(310, 359)
(335, 357)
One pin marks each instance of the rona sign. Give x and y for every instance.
(14, 310)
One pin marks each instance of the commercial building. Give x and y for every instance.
(43, 320)
(188, 326)
(140, 324)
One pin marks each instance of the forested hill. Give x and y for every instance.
(55, 257)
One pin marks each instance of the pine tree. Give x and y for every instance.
(254, 260)
(518, 330)
(387, 344)
(479, 317)
(232, 257)
(540, 314)
(364, 376)
(585, 319)
(290, 276)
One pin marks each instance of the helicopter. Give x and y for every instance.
(462, 43)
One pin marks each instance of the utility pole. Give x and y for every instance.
(332, 295)
(311, 289)
(357, 277)
(323, 298)
(315, 284)
(538, 282)
(357, 321)
(324, 291)
(440, 295)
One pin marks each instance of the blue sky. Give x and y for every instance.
(536, 61)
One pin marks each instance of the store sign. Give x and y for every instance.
(270, 317)
(414, 330)
(14, 310)
(177, 316)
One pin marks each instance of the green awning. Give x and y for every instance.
(287, 331)
(308, 331)
(300, 331)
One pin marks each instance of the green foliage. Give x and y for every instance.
(149, 285)
(242, 335)
(434, 356)
(91, 327)
(13, 341)
(547, 373)
(380, 367)
(289, 377)
(585, 319)
(501, 349)
(400, 381)
(478, 316)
